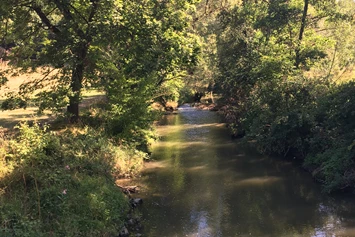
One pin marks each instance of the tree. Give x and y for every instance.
(204, 23)
(97, 43)
(278, 61)
(300, 36)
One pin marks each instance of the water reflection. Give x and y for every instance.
(204, 184)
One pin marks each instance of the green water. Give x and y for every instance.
(204, 184)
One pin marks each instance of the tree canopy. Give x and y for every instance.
(282, 65)
(124, 47)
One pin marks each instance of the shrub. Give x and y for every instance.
(281, 116)
(62, 184)
(332, 155)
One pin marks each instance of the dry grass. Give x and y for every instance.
(10, 118)
(338, 75)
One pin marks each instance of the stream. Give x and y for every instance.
(202, 183)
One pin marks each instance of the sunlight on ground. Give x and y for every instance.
(9, 118)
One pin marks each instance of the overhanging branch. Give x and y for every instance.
(45, 19)
(64, 9)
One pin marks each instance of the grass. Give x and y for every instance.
(61, 182)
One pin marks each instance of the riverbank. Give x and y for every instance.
(63, 182)
(309, 152)
(201, 182)
(320, 135)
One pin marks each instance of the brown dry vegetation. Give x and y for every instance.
(9, 118)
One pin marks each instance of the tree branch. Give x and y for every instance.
(45, 19)
(92, 13)
(94, 9)
(77, 12)
(300, 36)
(63, 8)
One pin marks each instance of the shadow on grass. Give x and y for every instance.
(6, 123)
(11, 123)
(10, 118)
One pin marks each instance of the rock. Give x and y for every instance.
(124, 232)
(139, 235)
(138, 226)
(136, 201)
(130, 222)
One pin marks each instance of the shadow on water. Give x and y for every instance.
(204, 184)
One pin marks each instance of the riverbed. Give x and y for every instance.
(202, 183)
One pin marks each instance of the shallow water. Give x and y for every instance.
(204, 184)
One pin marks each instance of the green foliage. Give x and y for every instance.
(62, 184)
(332, 141)
(281, 116)
(277, 65)
(13, 102)
(334, 167)
(132, 47)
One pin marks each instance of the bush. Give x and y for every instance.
(62, 184)
(305, 119)
(281, 117)
(332, 155)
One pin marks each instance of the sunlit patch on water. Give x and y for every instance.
(179, 144)
(200, 220)
(258, 181)
(155, 165)
(197, 168)
(186, 107)
(196, 144)
(168, 129)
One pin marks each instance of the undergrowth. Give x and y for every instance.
(308, 121)
(63, 183)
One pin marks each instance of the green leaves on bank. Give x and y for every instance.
(285, 84)
(63, 183)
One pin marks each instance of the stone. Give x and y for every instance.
(124, 232)
(136, 201)
(130, 222)
(139, 226)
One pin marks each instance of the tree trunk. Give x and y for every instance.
(300, 36)
(76, 83)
